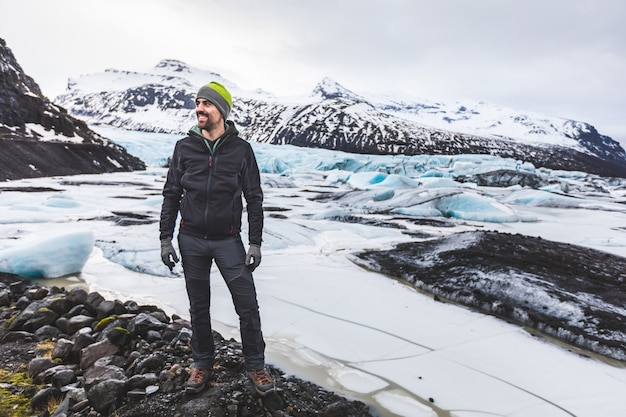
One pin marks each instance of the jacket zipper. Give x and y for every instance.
(212, 162)
(208, 187)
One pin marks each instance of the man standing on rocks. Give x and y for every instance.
(209, 172)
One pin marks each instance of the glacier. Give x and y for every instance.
(336, 323)
(50, 253)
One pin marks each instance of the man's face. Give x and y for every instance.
(207, 114)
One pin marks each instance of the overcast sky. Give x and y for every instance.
(563, 58)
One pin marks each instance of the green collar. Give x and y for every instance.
(211, 146)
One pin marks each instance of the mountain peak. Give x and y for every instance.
(173, 65)
(329, 89)
(186, 74)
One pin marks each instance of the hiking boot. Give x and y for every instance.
(262, 381)
(198, 380)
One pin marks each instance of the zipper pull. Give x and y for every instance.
(211, 161)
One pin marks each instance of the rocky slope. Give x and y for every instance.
(333, 117)
(73, 353)
(39, 138)
(521, 279)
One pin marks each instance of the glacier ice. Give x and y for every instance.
(49, 253)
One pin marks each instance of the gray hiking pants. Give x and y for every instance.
(229, 255)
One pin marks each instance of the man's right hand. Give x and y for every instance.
(168, 254)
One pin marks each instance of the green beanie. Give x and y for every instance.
(217, 94)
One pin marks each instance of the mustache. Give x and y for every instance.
(201, 113)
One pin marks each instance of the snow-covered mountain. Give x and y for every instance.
(161, 99)
(39, 138)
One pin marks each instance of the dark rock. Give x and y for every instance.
(144, 322)
(78, 322)
(28, 311)
(141, 381)
(63, 377)
(131, 359)
(47, 332)
(63, 408)
(81, 341)
(90, 354)
(78, 309)
(17, 286)
(153, 336)
(38, 365)
(56, 290)
(149, 363)
(22, 302)
(18, 336)
(43, 397)
(63, 349)
(47, 375)
(108, 308)
(59, 304)
(131, 306)
(93, 301)
(98, 374)
(61, 324)
(504, 178)
(5, 300)
(136, 393)
(42, 317)
(36, 293)
(77, 296)
(74, 392)
(106, 395)
(160, 315)
(183, 336)
(114, 360)
(79, 406)
(106, 325)
(118, 336)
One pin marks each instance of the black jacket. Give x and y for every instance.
(206, 188)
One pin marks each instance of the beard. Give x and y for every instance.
(206, 122)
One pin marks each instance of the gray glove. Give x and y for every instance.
(253, 257)
(168, 254)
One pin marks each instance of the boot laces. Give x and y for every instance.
(197, 375)
(261, 377)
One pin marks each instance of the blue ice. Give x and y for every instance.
(50, 253)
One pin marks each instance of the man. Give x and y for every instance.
(209, 172)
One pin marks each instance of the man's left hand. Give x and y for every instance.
(253, 257)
